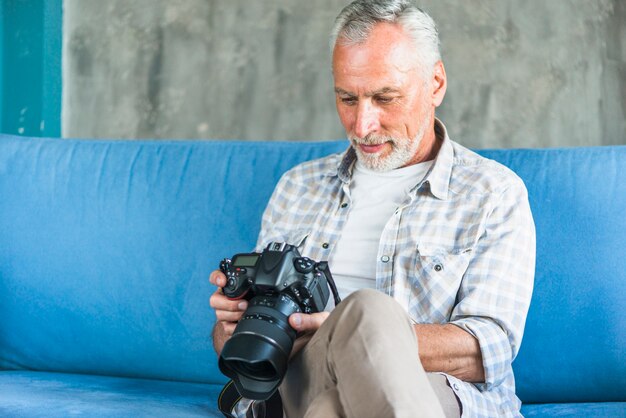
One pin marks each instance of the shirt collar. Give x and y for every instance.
(437, 178)
(346, 164)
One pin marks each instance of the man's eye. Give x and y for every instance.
(348, 101)
(384, 100)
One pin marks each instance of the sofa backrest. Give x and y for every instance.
(105, 249)
(574, 346)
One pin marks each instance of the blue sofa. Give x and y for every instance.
(105, 249)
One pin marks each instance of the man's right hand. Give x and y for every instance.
(228, 312)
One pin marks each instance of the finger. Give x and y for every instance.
(228, 328)
(228, 316)
(304, 322)
(217, 278)
(221, 302)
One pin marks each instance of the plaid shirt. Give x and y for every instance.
(459, 250)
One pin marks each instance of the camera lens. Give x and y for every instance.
(262, 370)
(256, 355)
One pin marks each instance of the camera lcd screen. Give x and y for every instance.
(245, 260)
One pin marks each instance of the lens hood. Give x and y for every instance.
(256, 357)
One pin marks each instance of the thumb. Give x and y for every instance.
(307, 322)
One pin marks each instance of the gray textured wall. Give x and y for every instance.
(521, 74)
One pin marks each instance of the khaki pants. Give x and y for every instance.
(363, 362)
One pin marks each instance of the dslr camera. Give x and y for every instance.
(277, 283)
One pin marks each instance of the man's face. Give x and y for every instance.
(384, 99)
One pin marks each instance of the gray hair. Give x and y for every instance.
(356, 21)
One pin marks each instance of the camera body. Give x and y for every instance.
(277, 283)
(278, 269)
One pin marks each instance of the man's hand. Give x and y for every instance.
(307, 322)
(228, 312)
(305, 325)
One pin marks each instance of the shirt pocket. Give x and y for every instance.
(435, 281)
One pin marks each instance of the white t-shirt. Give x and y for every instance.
(374, 198)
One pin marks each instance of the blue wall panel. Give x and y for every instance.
(1, 64)
(52, 67)
(31, 67)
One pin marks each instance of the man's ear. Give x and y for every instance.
(440, 83)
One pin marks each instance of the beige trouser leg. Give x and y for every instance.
(363, 362)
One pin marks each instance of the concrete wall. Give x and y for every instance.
(521, 74)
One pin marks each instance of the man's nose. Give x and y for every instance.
(367, 119)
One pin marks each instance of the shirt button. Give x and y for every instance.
(384, 258)
(438, 267)
(344, 205)
(325, 245)
(455, 386)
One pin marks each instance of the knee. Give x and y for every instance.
(370, 300)
(369, 314)
(365, 295)
(369, 305)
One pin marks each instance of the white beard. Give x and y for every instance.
(402, 150)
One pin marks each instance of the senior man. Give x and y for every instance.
(434, 245)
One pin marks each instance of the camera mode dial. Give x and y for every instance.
(236, 280)
(303, 265)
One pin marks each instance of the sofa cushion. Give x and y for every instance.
(576, 410)
(40, 394)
